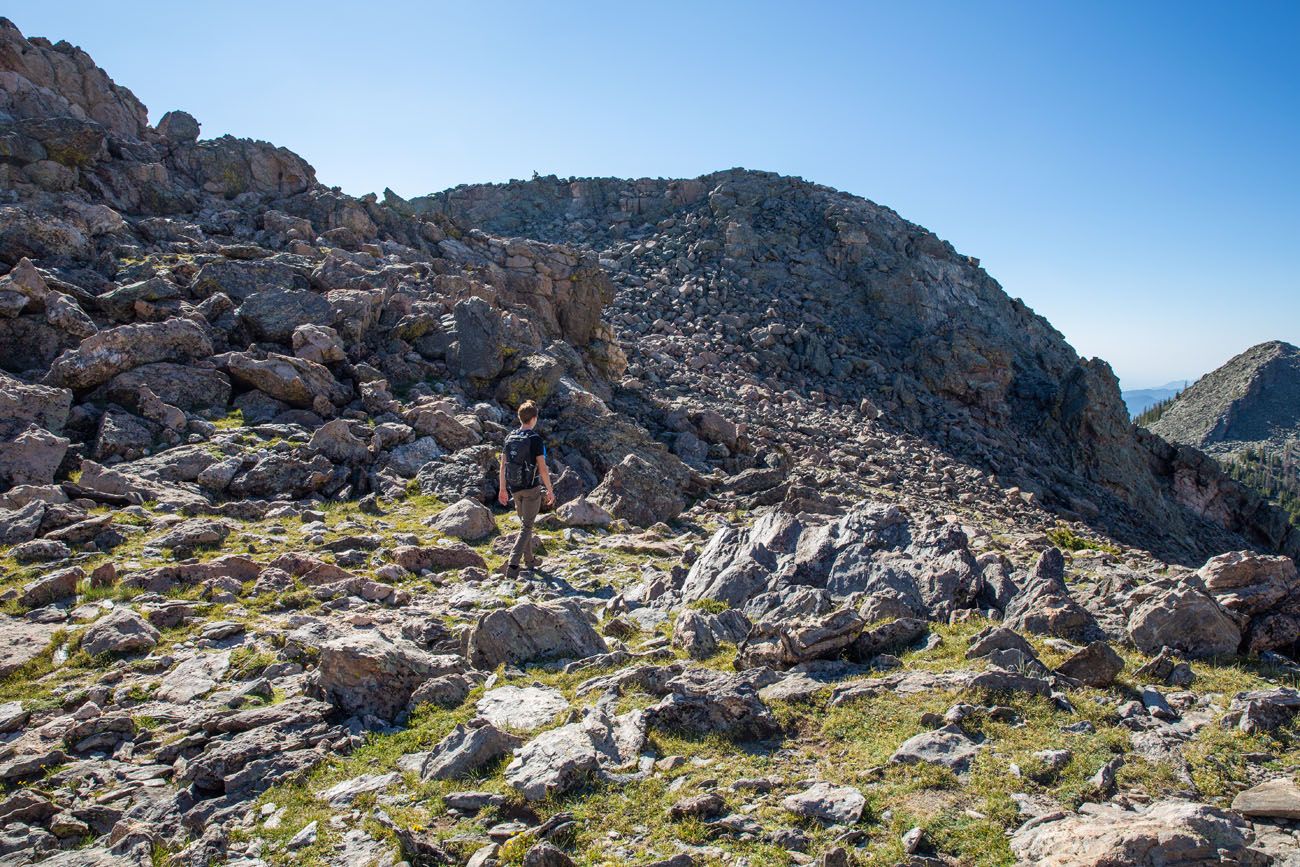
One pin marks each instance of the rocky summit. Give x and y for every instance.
(1251, 401)
(853, 559)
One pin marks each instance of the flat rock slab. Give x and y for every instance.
(194, 677)
(522, 708)
(344, 793)
(22, 641)
(840, 805)
(1273, 799)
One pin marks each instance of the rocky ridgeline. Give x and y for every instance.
(796, 607)
(1252, 401)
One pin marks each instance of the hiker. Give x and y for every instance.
(523, 474)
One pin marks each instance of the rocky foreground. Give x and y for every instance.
(817, 591)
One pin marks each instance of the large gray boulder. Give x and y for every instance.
(105, 354)
(296, 381)
(467, 749)
(31, 458)
(368, 673)
(1178, 613)
(274, 314)
(1045, 606)
(781, 645)
(639, 492)
(561, 759)
(532, 632)
(23, 404)
(702, 702)
(466, 519)
(120, 631)
(186, 386)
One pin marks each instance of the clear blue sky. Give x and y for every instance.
(1131, 170)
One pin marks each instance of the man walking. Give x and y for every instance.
(522, 474)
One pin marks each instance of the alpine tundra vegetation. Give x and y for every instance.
(853, 559)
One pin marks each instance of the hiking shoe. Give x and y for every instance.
(512, 572)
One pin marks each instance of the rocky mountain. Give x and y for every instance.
(854, 560)
(1252, 400)
(783, 297)
(1139, 400)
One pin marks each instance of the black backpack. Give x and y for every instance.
(521, 468)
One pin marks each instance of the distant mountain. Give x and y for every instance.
(1252, 401)
(1139, 400)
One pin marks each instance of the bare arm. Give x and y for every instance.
(546, 480)
(503, 496)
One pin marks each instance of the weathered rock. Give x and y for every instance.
(22, 641)
(1044, 605)
(188, 536)
(318, 343)
(186, 386)
(785, 645)
(1166, 834)
(31, 457)
(365, 672)
(703, 806)
(23, 404)
(704, 702)
(296, 381)
(530, 632)
(1278, 798)
(888, 637)
(1096, 665)
(561, 759)
(105, 354)
(700, 634)
(275, 314)
(583, 513)
(639, 492)
(335, 440)
(466, 519)
(1178, 613)
(54, 587)
(437, 558)
(1247, 582)
(120, 631)
(950, 747)
(467, 749)
(521, 708)
(194, 677)
(839, 805)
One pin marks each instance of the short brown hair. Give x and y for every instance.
(527, 412)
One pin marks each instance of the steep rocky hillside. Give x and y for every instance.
(1251, 401)
(782, 297)
(825, 583)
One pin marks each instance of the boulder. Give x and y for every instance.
(318, 343)
(950, 747)
(120, 631)
(826, 802)
(335, 440)
(581, 512)
(31, 458)
(703, 702)
(178, 126)
(700, 634)
(54, 587)
(275, 314)
(188, 536)
(437, 558)
(1045, 606)
(368, 673)
(295, 381)
(105, 354)
(408, 459)
(467, 749)
(23, 404)
(562, 759)
(1178, 613)
(185, 386)
(1278, 798)
(193, 677)
(480, 339)
(1096, 665)
(781, 645)
(1247, 582)
(450, 433)
(22, 641)
(888, 637)
(1165, 834)
(532, 632)
(466, 519)
(639, 493)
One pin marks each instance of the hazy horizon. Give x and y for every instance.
(1128, 173)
